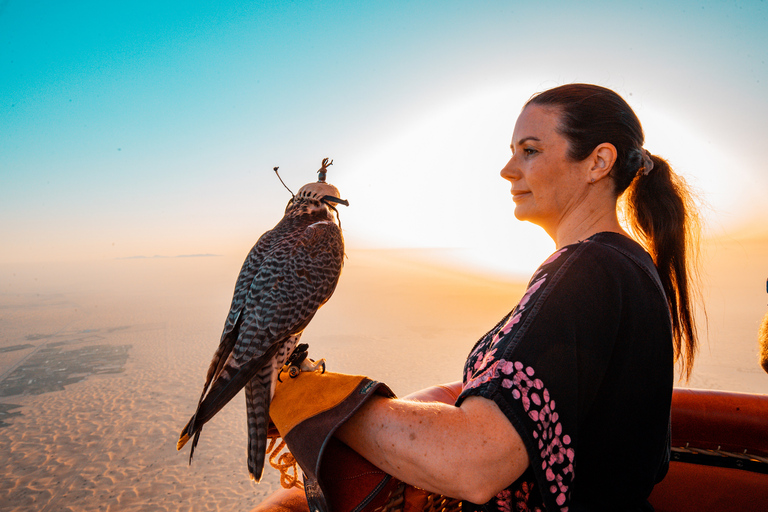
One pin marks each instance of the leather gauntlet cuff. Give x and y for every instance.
(307, 410)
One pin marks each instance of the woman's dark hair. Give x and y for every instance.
(657, 204)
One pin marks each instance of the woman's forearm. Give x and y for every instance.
(470, 452)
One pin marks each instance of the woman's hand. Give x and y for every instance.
(471, 452)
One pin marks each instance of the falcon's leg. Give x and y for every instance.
(298, 362)
(289, 351)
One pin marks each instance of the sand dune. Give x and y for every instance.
(101, 364)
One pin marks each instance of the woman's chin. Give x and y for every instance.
(521, 213)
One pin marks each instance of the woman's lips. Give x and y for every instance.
(517, 195)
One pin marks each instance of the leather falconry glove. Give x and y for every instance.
(307, 408)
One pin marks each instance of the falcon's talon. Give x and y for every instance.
(309, 365)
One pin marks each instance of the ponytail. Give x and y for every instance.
(662, 215)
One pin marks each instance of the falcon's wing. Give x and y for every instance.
(242, 286)
(248, 271)
(297, 277)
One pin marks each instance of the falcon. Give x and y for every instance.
(291, 271)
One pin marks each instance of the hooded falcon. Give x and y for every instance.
(291, 271)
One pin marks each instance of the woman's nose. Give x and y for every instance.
(508, 171)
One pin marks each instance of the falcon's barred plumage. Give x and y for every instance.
(291, 271)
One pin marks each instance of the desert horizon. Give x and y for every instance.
(101, 363)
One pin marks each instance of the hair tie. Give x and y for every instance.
(647, 163)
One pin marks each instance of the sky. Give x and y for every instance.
(132, 129)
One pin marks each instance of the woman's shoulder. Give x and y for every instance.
(612, 251)
(618, 252)
(616, 241)
(601, 262)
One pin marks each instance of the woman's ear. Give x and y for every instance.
(602, 159)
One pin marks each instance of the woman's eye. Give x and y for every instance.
(529, 151)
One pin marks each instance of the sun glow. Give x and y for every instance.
(438, 186)
(437, 183)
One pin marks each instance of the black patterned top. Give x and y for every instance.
(583, 369)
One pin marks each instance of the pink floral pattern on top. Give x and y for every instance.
(484, 351)
(554, 256)
(485, 354)
(557, 454)
(486, 364)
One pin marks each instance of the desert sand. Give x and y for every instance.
(102, 363)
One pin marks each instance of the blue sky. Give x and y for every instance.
(137, 128)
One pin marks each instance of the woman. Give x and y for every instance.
(566, 402)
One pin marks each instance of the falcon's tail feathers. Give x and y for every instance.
(194, 444)
(257, 406)
(183, 437)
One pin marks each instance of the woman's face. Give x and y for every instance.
(546, 184)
